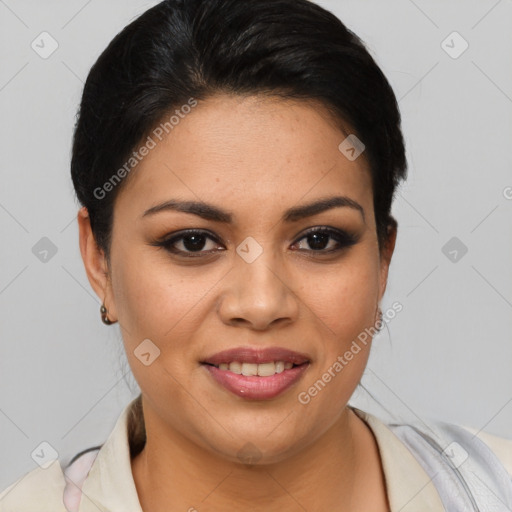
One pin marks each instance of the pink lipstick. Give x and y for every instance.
(257, 374)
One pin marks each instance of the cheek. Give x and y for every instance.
(165, 305)
(344, 303)
(156, 305)
(150, 302)
(346, 312)
(345, 299)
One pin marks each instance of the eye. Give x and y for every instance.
(188, 243)
(193, 243)
(318, 239)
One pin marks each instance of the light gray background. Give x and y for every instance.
(447, 355)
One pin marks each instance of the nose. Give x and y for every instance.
(258, 294)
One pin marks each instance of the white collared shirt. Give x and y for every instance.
(110, 485)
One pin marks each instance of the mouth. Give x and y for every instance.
(252, 369)
(256, 374)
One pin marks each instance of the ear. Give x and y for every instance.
(95, 263)
(386, 252)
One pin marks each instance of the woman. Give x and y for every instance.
(236, 163)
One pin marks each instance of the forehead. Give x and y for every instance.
(247, 152)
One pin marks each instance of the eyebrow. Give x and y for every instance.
(214, 213)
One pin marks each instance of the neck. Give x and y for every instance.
(335, 472)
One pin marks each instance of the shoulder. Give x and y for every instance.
(38, 490)
(414, 435)
(45, 489)
(501, 446)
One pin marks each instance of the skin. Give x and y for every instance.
(256, 157)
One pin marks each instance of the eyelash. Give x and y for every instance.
(343, 238)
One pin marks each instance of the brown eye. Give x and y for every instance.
(319, 239)
(189, 243)
(194, 242)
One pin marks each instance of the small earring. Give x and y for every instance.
(379, 323)
(104, 317)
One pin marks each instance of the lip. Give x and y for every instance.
(257, 356)
(254, 387)
(257, 388)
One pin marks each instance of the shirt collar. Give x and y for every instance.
(110, 484)
(409, 487)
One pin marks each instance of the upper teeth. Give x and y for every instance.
(263, 370)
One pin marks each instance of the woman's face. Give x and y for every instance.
(253, 278)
